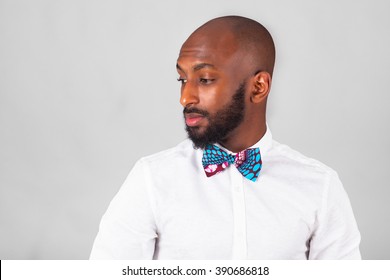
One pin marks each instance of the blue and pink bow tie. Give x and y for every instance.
(248, 162)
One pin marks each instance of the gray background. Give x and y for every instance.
(88, 87)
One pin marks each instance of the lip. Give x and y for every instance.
(193, 119)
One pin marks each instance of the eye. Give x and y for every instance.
(182, 80)
(206, 81)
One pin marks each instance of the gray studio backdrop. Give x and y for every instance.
(88, 87)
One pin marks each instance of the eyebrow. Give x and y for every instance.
(198, 67)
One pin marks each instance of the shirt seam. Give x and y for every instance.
(324, 203)
(151, 197)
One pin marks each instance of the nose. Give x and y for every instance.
(189, 95)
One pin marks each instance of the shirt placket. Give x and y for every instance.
(239, 215)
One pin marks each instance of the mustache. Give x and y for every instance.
(195, 110)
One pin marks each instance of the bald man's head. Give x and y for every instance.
(248, 36)
(225, 70)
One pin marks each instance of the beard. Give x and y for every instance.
(221, 123)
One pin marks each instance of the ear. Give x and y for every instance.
(261, 86)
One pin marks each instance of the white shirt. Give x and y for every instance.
(168, 209)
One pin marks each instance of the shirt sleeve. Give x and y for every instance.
(336, 235)
(128, 229)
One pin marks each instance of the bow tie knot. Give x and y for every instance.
(248, 162)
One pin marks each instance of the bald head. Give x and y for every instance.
(225, 70)
(234, 33)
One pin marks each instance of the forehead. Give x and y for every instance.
(215, 49)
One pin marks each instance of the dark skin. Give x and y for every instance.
(212, 63)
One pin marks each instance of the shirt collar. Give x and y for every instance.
(264, 144)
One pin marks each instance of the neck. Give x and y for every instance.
(244, 137)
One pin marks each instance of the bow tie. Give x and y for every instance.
(248, 162)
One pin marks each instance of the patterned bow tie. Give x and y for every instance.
(248, 162)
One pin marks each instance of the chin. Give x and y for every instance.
(196, 130)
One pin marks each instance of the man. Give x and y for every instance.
(229, 191)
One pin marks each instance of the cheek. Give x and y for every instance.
(212, 98)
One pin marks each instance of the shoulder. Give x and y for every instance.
(181, 153)
(164, 169)
(180, 150)
(294, 167)
(293, 157)
(301, 176)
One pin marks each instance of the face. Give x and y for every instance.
(212, 89)
(219, 124)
